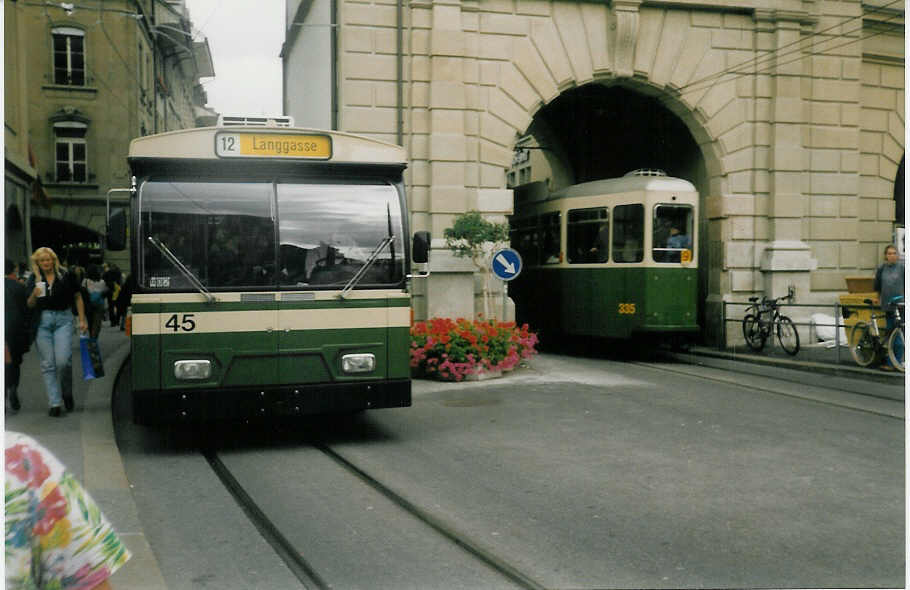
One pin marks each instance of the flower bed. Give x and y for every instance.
(443, 348)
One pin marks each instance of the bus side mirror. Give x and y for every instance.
(116, 230)
(420, 253)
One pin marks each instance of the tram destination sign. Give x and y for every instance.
(506, 264)
(273, 145)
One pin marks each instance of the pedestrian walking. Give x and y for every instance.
(94, 290)
(17, 335)
(889, 283)
(56, 536)
(52, 291)
(124, 299)
(112, 277)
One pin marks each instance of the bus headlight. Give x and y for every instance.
(189, 370)
(358, 363)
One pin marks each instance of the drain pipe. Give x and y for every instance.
(399, 122)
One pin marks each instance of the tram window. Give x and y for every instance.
(549, 227)
(523, 237)
(222, 232)
(328, 231)
(628, 233)
(588, 235)
(673, 225)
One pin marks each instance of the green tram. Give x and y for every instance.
(613, 258)
(269, 273)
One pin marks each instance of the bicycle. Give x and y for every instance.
(762, 318)
(868, 346)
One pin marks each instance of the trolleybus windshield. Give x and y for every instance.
(261, 234)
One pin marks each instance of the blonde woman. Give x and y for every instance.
(53, 291)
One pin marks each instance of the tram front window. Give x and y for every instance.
(222, 233)
(628, 233)
(673, 225)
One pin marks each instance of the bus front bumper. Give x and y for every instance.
(205, 405)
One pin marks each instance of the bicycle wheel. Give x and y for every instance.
(863, 346)
(753, 333)
(896, 347)
(787, 335)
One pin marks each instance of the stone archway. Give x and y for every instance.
(598, 131)
(73, 243)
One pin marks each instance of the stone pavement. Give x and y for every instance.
(84, 441)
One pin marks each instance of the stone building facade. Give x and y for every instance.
(788, 117)
(87, 79)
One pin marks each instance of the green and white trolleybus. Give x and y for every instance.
(269, 272)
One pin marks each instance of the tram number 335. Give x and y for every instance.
(627, 308)
(186, 323)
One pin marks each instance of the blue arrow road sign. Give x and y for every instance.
(506, 264)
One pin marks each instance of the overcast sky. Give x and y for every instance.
(245, 39)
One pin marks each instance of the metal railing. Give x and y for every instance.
(838, 310)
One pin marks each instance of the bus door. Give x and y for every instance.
(333, 328)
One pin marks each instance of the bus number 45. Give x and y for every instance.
(187, 324)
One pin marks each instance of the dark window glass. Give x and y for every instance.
(69, 59)
(63, 152)
(222, 232)
(628, 233)
(79, 152)
(672, 232)
(79, 174)
(588, 235)
(549, 227)
(328, 231)
(523, 237)
(63, 172)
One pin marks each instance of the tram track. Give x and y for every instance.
(307, 573)
(857, 401)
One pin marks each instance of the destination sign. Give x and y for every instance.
(272, 145)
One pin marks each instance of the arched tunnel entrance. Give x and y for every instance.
(602, 131)
(73, 244)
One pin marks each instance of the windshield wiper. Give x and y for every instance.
(183, 269)
(366, 265)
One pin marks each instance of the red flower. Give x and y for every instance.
(51, 509)
(27, 464)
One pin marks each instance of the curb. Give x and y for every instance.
(105, 477)
(841, 370)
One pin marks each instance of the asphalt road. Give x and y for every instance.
(577, 473)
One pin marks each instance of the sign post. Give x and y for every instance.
(506, 265)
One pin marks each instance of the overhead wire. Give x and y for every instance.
(788, 49)
(772, 61)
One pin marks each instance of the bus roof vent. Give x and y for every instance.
(261, 121)
(646, 172)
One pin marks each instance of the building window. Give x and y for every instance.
(69, 56)
(71, 153)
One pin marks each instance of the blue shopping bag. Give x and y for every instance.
(92, 366)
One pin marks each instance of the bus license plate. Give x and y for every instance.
(272, 145)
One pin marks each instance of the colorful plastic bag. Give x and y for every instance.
(92, 366)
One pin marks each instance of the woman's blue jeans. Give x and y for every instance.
(55, 349)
